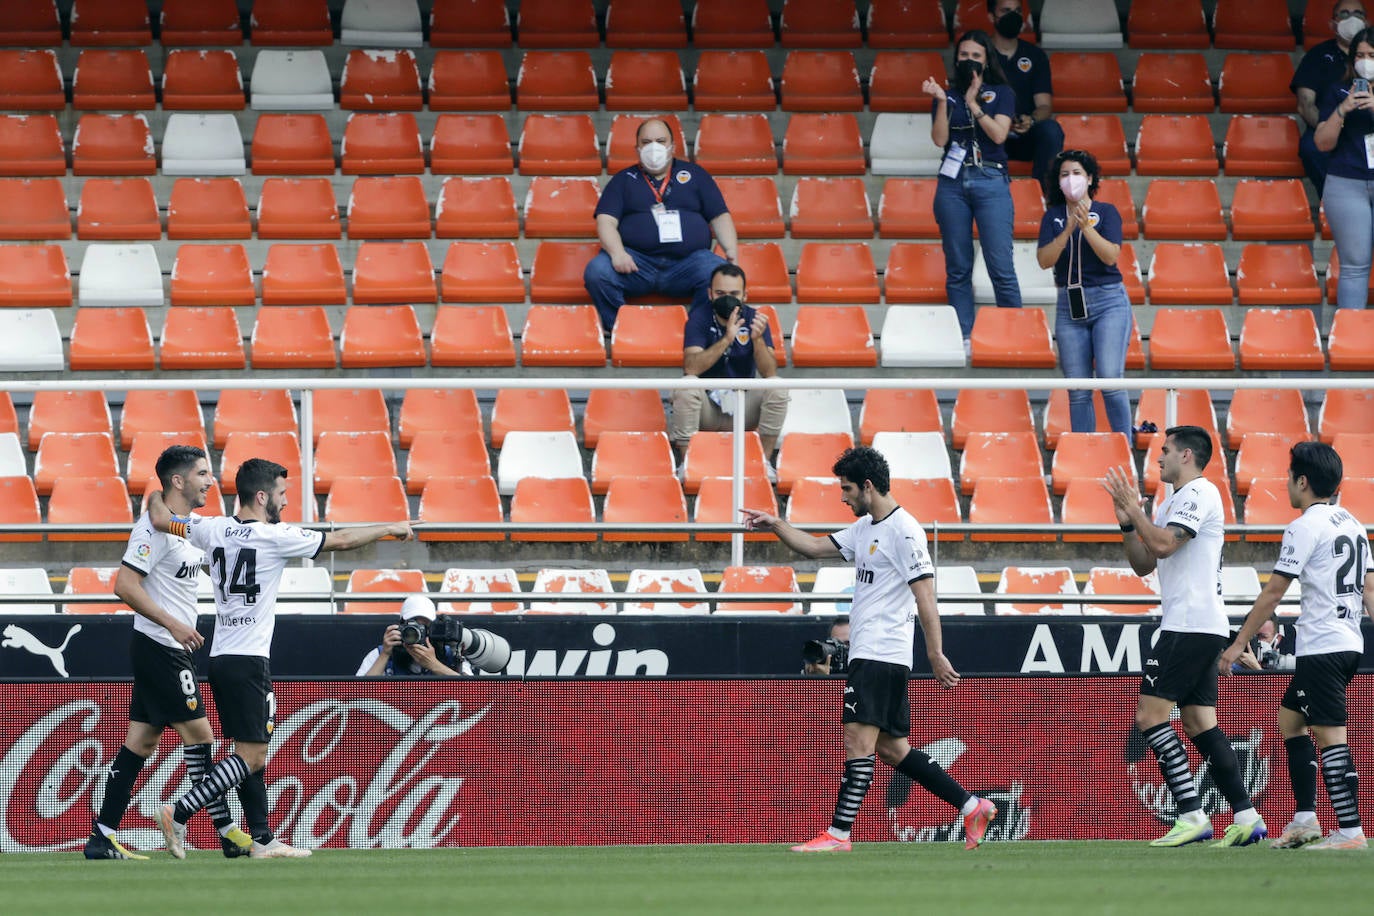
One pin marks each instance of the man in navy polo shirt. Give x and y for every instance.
(655, 221)
(727, 340)
(1320, 69)
(1035, 135)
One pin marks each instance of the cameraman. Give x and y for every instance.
(394, 657)
(833, 662)
(1265, 652)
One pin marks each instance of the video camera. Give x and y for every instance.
(816, 651)
(483, 648)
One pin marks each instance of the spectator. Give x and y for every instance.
(1036, 136)
(971, 124)
(655, 221)
(1320, 69)
(728, 340)
(392, 657)
(1344, 131)
(1092, 320)
(1265, 651)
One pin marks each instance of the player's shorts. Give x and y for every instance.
(1183, 667)
(165, 685)
(1317, 688)
(243, 696)
(875, 693)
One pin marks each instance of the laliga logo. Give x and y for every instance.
(1013, 818)
(1159, 801)
(16, 637)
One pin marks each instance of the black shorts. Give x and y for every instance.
(875, 693)
(243, 696)
(165, 685)
(1183, 667)
(1317, 689)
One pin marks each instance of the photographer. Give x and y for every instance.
(829, 655)
(396, 656)
(1265, 652)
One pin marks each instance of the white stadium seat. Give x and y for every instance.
(381, 24)
(552, 455)
(832, 580)
(592, 581)
(120, 275)
(659, 581)
(900, 144)
(202, 144)
(817, 410)
(958, 580)
(29, 580)
(921, 336)
(915, 456)
(296, 80)
(1037, 284)
(305, 580)
(1090, 24)
(459, 581)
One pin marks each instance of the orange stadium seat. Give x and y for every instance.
(145, 450)
(560, 501)
(633, 410)
(9, 421)
(298, 208)
(200, 22)
(1350, 343)
(714, 505)
(754, 206)
(291, 143)
(1315, 15)
(468, 81)
(277, 23)
(645, 81)
(1103, 135)
(972, 14)
(69, 455)
(823, 144)
(1253, 83)
(385, 336)
(833, 335)
(468, 144)
(816, 501)
(638, 499)
(556, 81)
(1266, 503)
(906, 209)
(898, 410)
(900, 24)
(1191, 274)
(1011, 501)
(471, 335)
(1278, 275)
(557, 24)
(303, 275)
(112, 339)
(556, 275)
(1252, 25)
(366, 499)
(436, 453)
(171, 412)
(1261, 455)
(989, 410)
(400, 581)
(1088, 82)
(393, 272)
(1172, 82)
(1266, 410)
(763, 264)
(562, 335)
(915, 273)
(1135, 290)
(469, 24)
(1175, 145)
(1265, 211)
(821, 81)
(1086, 503)
(1167, 24)
(482, 272)
(1356, 496)
(1088, 455)
(1191, 339)
(759, 579)
(997, 455)
(736, 144)
(1333, 276)
(19, 506)
(89, 500)
(37, 209)
(561, 207)
(834, 272)
(31, 145)
(819, 24)
(1345, 410)
(894, 82)
(648, 336)
(933, 502)
(630, 24)
(364, 454)
(534, 409)
(382, 143)
(34, 276)
(621, 148)
(292, 338)
(458, 500)
(732, 24)
(212, 275)
(476, 208)
(559, 145)
(110, 22)
(91, 580)
(1029, 207)
(118, 144)
(712, 454)
(31, 24)
(67, 412)
(437, 409)
(1012, 338)
(201, 337)
(1119, 582)
(31, 80)
(246, 410)
(110, 80)
(1183, 209)
(117, 209)
(808, 455)
(355, 410)
(380, 81)
(1194, 408)
(830, 208)
(726, 81)
(208, 208)
(629, 454)
(388, 207)
(1117, 192)
(1263, 145)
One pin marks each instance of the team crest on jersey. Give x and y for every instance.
(683, 176)
(872, 548)
(1024, 65)
(192, 703)
(142, 551)
(742, 335)
(1094, 219)
(270, 725)
(987, 96)
(1191, 507)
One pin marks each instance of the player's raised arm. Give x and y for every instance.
(815, 548)
(353, 538)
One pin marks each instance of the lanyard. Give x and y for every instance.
(660, 190)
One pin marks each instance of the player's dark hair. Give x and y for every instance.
(1054, 194)
(992, 66)
(863, 463)
(666, 126)
(1320, 464)
(174, 460)
(257, 475)
(1194, 438)
(728, 270)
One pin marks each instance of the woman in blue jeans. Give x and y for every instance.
(1345, 131)
(971, 124)
(1081, 239)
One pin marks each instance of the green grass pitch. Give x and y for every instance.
(1019, 878)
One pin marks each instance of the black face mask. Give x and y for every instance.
(1009, 25)
(964, 72)
(725, 306)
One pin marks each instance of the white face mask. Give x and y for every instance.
(1347, 29)
(654, 156)
(1075, 187)
(1365, 68)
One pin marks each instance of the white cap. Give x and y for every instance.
(418, 606)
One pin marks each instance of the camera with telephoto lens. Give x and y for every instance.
(816, 651)
(483, 648)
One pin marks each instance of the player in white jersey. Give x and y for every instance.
(894, 583)
(157, 579)
(1327, 550)
(247, 554)
(1183, 542)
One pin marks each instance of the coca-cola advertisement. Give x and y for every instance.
(494, 761)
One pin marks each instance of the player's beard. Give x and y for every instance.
(273, 512)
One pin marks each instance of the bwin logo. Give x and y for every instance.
(574, 662)
(864, 575)
(188, 571)
(16, 637)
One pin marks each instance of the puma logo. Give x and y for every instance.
(852, 707)
(1150, 679)
(16, 637)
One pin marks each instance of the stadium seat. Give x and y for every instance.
(469, 23)
(1189, 274)
(437, 453)
(477, 208)
(1190, 339)
(388, 207)
(1194, 408)
(380, 81)
(1268, 410)
(556, 275)
(31, 80)
(291, 80)
(1267, 503)
(113, 144)
(482, 272)
(630, 454)
(381, 336)
(344, 455)
(820, 81)
(988, 410)
(208, 208)
(803, 455)
(1086, 455)
(89, 500)
(366, 499)
(735, 144)
(1036, 580)
(732, 24)
(481, 581)
(822, 144)
(1087, 503)
(1263, 145)
(1135, 291)
(110, 339)
(1011, 501)
(101, 23)
(19, 506)
(1037, 284)
(834, 272)
(120, 275)
(819, 24)
(292, 338)
(556, 81)
(645, 81)
(1345, 410)
(559, 144)
(1175, 145)
(298, 208)
(1215, 472)
(145, 450)
(759, 580)
(1261, 455)
(67, 412)
(291, 22)
(396, 581)
(31, 580)
(305, 580)
(471, 335)
(242, 410)
(30, 341)
(897, 24)
(9, 421)
(763, 263)
(468, 144)
(561, 207)
(117, 209)
(1277, 275)
(658, 581)
(393, 272)
(1117, 192)
(1120, 583)
(1017, 338)
(914, 455)
(91, 580)
(933, 501)
(1350, 343)
(998, 455)
(529, 410)
(303, 275)
(828, 208)
(648, 336)
(817, 410)
(1252, 25)
(621, 148)
(557, 501)
(212, 275)
(112, 80)
(31, 145)
(1080, 24)
(1187, 209)
(898, 410)
(170, 412)
(915, 274)
(381, 23)
(201, 337)
(36, 208)
(437, 409)
(731, 81)
(70, 455)
(468, 81)
(634, 410)
(31, 24)
(921, 335)
(1028, 204)
(755, 206)
(1271, 211)
(894, 82)
(816, 501)
(1088, 82)
(953, 582)
(1167, 24)
(711, 454)
(557, 24)
(906, 211)
(714, 505)
(458, 500)
(630, 24)
(1253, 83)
(1356, 496)
(198, 22)
(381, 143)
(577, 581)
(350, 410)
(562, 335)
(292, 144)
(1175, 82)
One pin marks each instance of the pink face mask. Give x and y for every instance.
(1075, 187)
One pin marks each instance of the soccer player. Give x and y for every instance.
(158, 580)
(1183, 542)
(894, 582)
(1327, 550)
(247, 555)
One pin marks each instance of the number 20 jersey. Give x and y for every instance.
(1327, 551)
(246, 562)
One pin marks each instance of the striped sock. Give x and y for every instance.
(226, 774)
(198, 762)
(858, 773)
(1173, 765)
(1342, 784)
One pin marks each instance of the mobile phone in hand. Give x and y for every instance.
(1360, 84)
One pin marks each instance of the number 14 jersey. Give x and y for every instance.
(1327, 551)
(246, 562)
